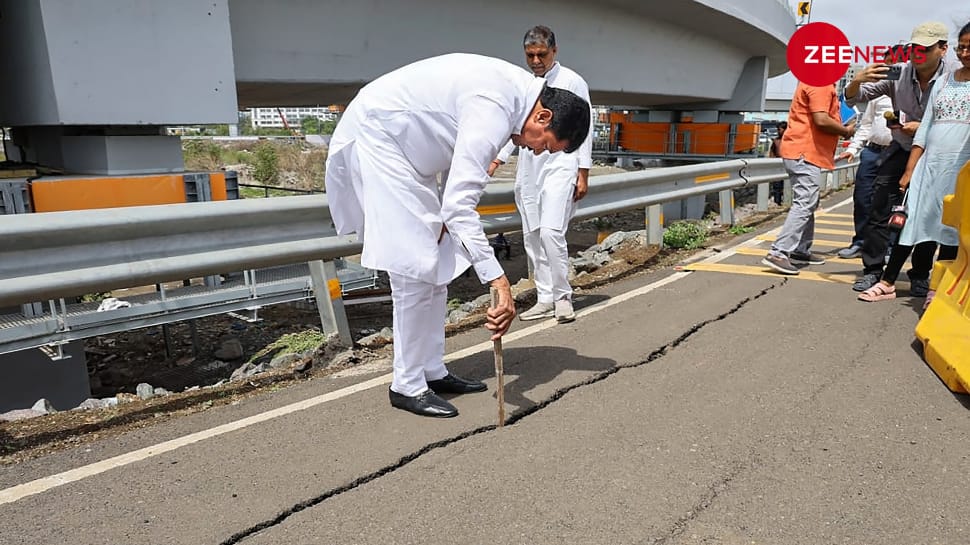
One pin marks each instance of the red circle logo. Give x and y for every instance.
(819, 54)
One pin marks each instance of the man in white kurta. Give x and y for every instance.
(446, 116)
(547, 188)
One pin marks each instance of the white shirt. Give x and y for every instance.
(545, 183)
(448, 114)
(872, 126)
(561, 77)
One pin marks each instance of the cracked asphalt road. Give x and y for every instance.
(717, 409)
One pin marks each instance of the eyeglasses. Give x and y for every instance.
(962, 49)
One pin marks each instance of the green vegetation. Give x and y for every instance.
(284, 163)
(686, 234)
(266, 163)
(95, 297)
(312, 125)
(291, 343)
(739, 229)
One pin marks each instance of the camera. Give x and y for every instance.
(894, 72)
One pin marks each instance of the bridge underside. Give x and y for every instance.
(633, 53)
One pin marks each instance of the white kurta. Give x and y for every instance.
(445, 115)
(544, 183)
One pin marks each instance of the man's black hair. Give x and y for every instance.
(964, 31)
(570, 116)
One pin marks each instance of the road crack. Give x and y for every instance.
(515, 417)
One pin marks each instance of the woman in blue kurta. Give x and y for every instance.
(940, 149)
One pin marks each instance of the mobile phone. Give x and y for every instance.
(894, 72)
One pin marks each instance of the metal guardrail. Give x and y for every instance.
(45, 256)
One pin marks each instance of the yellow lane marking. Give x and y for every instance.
(816, 242)
(831, 222)
(835, 232)
(762, 252)
(711, 178)
(832, 215)
(765, 271)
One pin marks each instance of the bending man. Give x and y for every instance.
(446, 115)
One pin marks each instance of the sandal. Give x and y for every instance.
(929, 298)
(878, 292)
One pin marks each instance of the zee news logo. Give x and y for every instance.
(819, 54)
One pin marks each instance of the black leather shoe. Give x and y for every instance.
(426, 404)
(452, 384)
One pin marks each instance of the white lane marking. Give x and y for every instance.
(18, 492)
(15, 493)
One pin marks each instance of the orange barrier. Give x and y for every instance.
(684, 137)
(944, 328)
(60, 193)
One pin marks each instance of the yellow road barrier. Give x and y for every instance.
(944, 328)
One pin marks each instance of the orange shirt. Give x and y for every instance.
(803, 138)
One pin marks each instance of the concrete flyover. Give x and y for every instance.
(695, 53)
(91, 86)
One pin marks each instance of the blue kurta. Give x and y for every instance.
(944, 134)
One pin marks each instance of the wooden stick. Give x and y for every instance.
(499, 368)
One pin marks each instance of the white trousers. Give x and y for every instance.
(549, 256)
(419, 333)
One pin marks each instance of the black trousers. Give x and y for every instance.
(922, 260)
(885, 195)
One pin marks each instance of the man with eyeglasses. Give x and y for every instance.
(547, 188)
(909, 95)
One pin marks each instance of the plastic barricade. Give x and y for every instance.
(944, 328)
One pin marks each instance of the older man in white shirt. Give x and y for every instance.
(441, 117)
(547, 187)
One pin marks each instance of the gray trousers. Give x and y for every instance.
(798, 232)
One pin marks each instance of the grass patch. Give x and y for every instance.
(291, 343)
(740, 229)
(686, 234)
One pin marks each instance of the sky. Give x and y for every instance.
(878, 22)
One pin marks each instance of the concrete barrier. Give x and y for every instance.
(944, 328)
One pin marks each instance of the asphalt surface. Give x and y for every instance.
(717, 408)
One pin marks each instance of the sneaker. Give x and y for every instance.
(919, 287)
(538, 312)
(779, 263)
(851, 252)
(865, 282)
(564, 311)
(808, 259)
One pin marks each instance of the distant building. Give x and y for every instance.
(270, 117)
(849, 74)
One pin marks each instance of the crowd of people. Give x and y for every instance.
(911, 141)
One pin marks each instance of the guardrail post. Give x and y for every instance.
(764, 193)
(726, 200)
(330, 304)
(830, 182)
(786, 193)
(655, 224)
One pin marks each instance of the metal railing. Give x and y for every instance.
(62, 254)
(46, 256)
